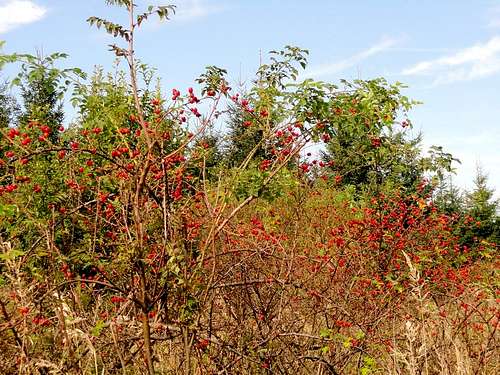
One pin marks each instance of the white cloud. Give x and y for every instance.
(14, 13)
(335, 67)
(478, 61)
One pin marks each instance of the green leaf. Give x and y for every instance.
(325, 332)
(7, 210)
(11, 254)
(97, 329)
(16, 82)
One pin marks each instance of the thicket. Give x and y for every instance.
(190, 231)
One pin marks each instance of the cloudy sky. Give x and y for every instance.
(447, 51)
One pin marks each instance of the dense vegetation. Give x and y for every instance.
(191, 231)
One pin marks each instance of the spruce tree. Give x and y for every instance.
(448, 198)
(9, 109)
(42, 97)
(483, 208)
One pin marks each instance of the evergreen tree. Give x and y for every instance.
(397, 159)
(448, 198)
(42, 97)
(242, 140)
(483, 208)
(42, 87)
(9, 109)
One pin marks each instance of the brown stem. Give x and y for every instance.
(187, 351)
(148, 353)
(146, 328)
(133, 75)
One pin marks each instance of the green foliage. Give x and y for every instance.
(105, 103)
(483, 208)
(9, 108)
(123, 3)
(438, 162)
(36, 68)
(364, 143)
(98, 328)
(213, 80)
(369, 365)
(282, 67)
(164, 12)
(242, 140)
(268, 110)
(7, 210)
(110, 27)
(253, 182)
(368, 143)
(43, 86)
(208, 149)
(476, 214)
(449, 198)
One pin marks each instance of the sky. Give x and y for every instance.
(446, 51)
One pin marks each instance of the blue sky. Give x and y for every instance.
(447, 51)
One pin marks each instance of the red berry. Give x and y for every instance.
(117, 299)
(175, 94)
(10, 188)
(13, 133)
(376, 142)
(24, 310)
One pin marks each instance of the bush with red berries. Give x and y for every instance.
(127, 246)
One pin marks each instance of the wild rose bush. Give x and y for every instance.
(321, 285)
(304, 283)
